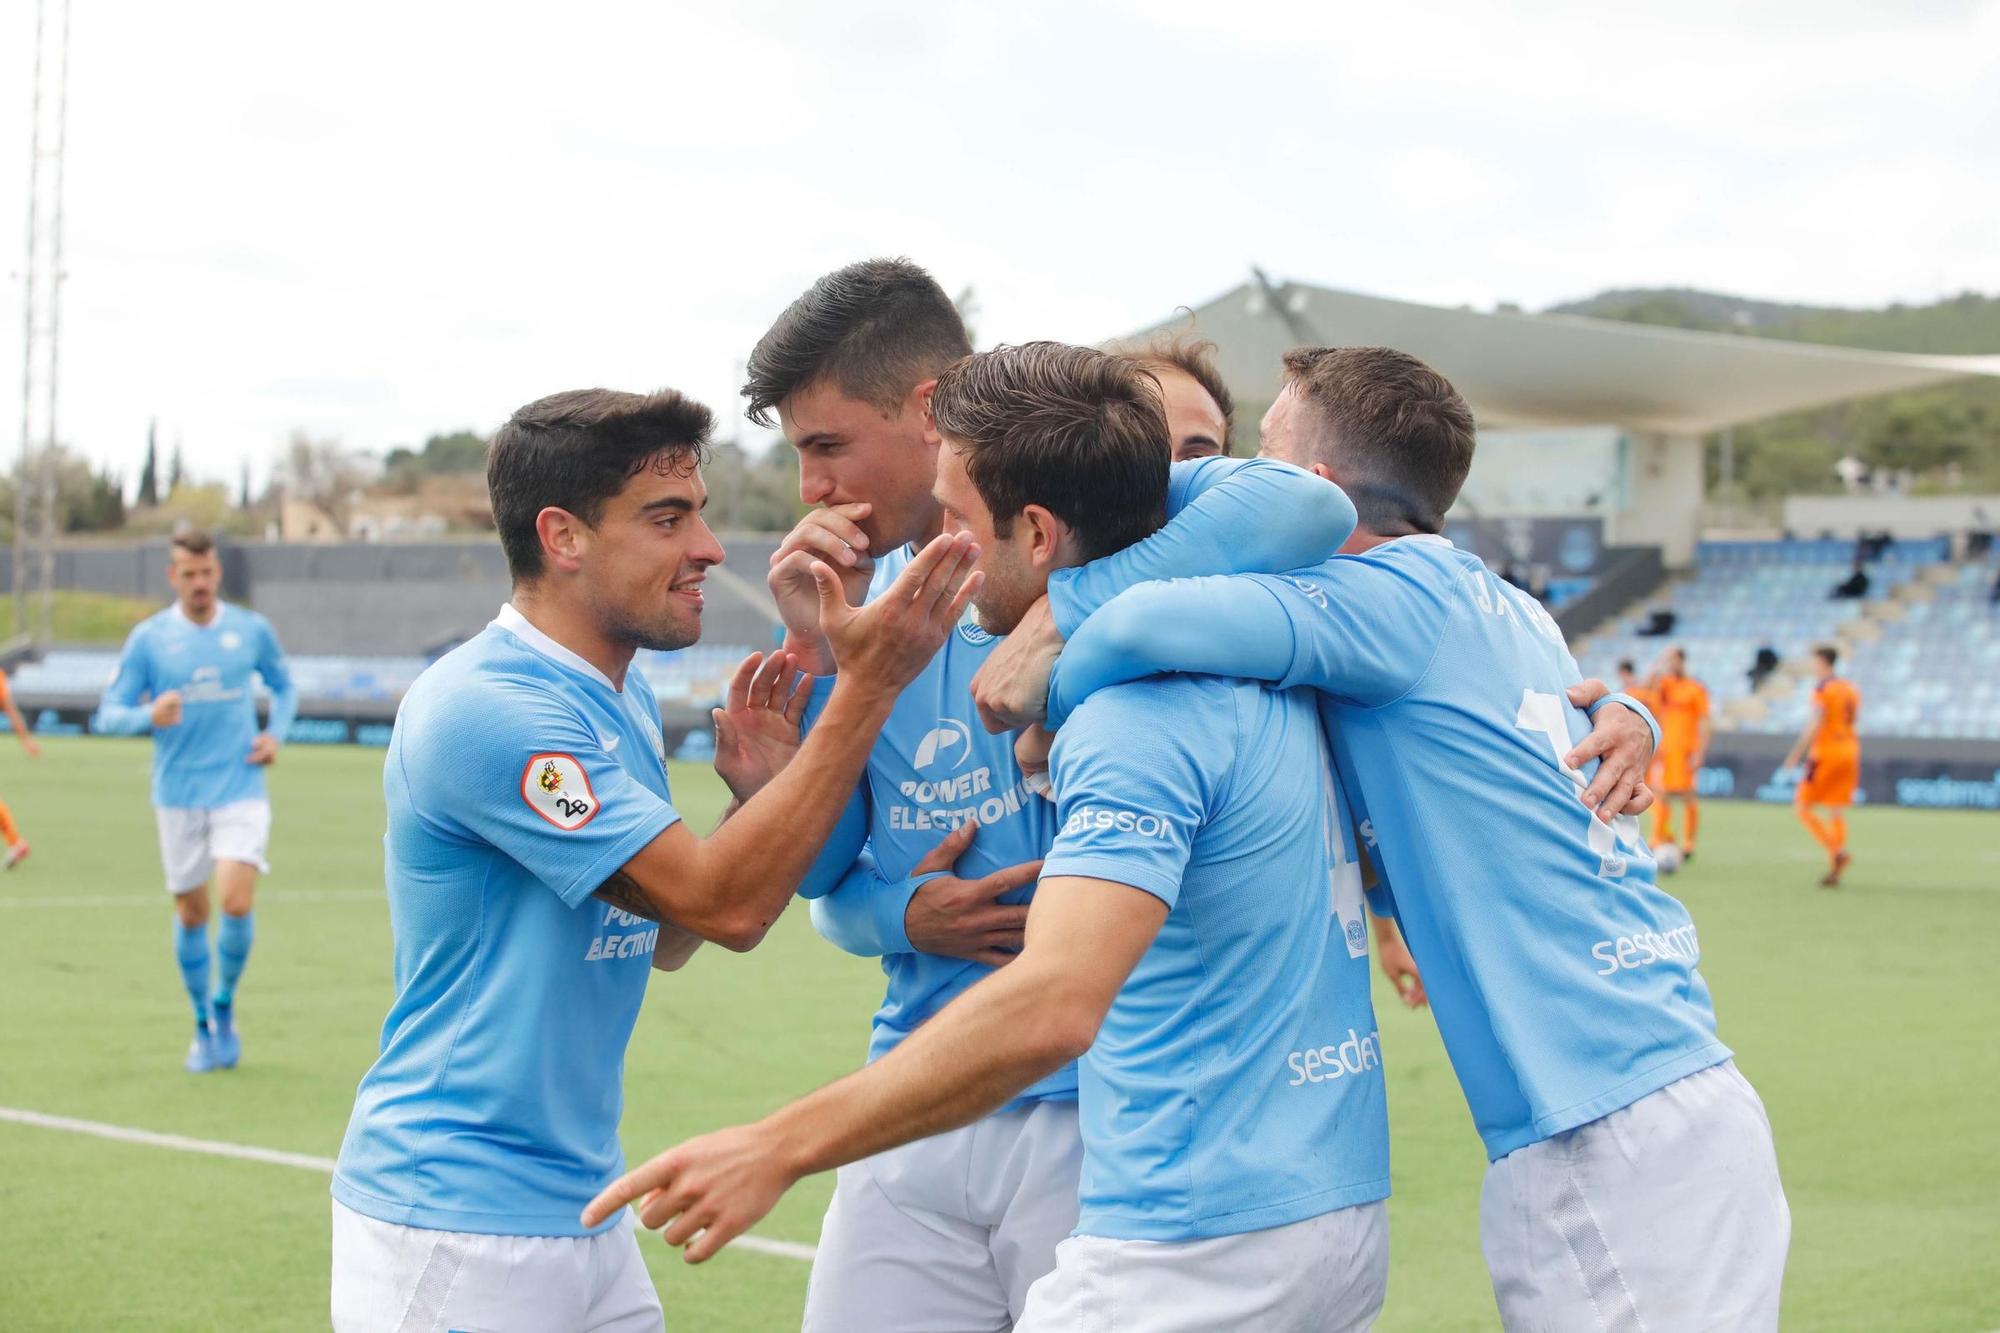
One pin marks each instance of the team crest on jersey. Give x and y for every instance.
(556, 788)
(1357, 940)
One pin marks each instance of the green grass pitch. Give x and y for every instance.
(1866, 1017)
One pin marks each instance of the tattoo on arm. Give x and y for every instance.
(625, 895)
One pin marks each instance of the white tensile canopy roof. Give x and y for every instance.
(1560, 370)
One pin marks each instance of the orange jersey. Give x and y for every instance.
(1683, 704)
(4, 691)
(1839, 706)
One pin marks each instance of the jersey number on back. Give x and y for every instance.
(1545, 715)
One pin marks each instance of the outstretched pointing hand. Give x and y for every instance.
(704, 1193)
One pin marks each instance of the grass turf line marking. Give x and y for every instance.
(245, 1152)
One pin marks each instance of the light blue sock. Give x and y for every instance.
(233, 935)
(191, 952)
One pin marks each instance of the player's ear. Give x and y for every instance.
(919, 401)
(1046, 536)
(565, 539)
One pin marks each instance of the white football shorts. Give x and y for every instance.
(1667, 1215)
(193, 840)
(396, 1279)
(946, 1235)
(1326, 1274)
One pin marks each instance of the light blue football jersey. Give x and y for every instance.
(1563, 978)
(1236, 1083)
(200, 763)
(936, 766)
(517, 781)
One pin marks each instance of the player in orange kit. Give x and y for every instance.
(1833, 762)
(17, 846)
(1680, 703)
(1632, 683)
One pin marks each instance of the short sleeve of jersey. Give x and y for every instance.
(1364, 628)
(1137, 772)
(514, 767)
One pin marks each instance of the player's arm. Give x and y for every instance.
(932, 910)
(1084, 937)
(119, 710)
(1398, 964)
(1228, 516)
(1814, 716)
(1296, 631)
(19, 723)
(730, 886)
(277, 674)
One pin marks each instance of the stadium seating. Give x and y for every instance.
(1923, 644)
(1934, 673)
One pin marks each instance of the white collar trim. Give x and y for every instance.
(186, 619)
(521, 628)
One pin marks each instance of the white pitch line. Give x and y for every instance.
(244, 1152)
(60, 900)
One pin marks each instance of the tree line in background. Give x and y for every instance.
(444, 478)
(1932, 440)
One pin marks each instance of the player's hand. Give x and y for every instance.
(1620, 739)
(884, 645)
(1397, 963)
(167, 710)
(263, 750)
(831, 534)
(706, 1192)
(1031, 753)
(1012, 689)
(28, 744)
(964, 918)
(757, 729)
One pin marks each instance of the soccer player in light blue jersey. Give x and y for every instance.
(186, 675)
(538, 872)
(1189, 939)
(1633, 1181)
(932, 867)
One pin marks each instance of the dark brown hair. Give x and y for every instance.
(876, 330)
(193, 540)
(1195, 358)
(1827, 653)
(577, 449)
(1395, 431)
(1077, 431)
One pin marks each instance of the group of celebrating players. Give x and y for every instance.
(1106, 744)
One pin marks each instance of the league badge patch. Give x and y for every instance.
(554, 786)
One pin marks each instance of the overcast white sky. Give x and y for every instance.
(378, 220)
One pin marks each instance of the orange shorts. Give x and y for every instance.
(1673, 771)
(1831, 777)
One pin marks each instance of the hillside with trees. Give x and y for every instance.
(1943, 439)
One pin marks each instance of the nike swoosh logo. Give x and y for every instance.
(610, 743)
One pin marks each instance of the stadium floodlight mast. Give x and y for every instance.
(41, 322)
